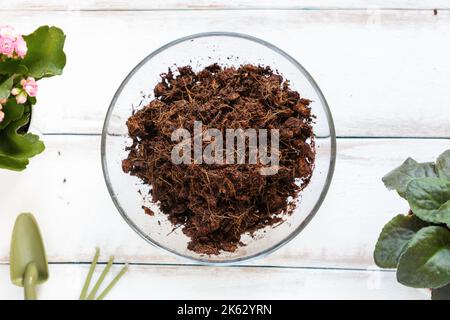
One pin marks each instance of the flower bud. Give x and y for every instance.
(21, 98)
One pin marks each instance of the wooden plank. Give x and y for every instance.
(64, 188)
(171, 282)
(383, 74)
(217, 4)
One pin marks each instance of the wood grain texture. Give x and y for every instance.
(65, 189)
(383, 74)
(171, 282)
(217, 4)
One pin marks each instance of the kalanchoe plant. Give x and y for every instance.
(23, 61)
(418, 244)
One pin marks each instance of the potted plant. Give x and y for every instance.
(418, 244)
(24, 60)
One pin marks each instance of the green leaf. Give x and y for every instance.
(13, 164)
(425, 263)
(394, 238)
(443, 165)
(442, 293)
(32, 100)
(13, 111)
(429, 199)
(399, 178)
(5, 87)
(45, 56)
(12, 67)
(15, 148)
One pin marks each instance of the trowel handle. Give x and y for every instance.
(29, 281)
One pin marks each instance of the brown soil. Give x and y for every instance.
(215, 204)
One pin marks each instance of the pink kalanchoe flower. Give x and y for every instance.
(21, 95)
(7, 47)
(8, 32)
(20, 46)
(21, 98)
(30, 86)
(2, 116)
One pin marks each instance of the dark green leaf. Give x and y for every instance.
(45, 56)
(443, 165)
(399, 178)
(12, 67)
(15, 149)
(13, 111)
(32, 100)
(394, 238)
(429, 199)
(425, 263)
(5, 87)
(442, 293)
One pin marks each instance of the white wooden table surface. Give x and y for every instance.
(384, 71)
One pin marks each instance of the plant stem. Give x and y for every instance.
(99, 282)
(89, 275)
(113, 283)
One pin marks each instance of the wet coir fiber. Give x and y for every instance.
(215, 204)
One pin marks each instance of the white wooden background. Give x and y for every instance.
(385, 72)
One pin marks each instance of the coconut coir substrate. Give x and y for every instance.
(217, 203)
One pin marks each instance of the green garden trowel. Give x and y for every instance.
(28, 262)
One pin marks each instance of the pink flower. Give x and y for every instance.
(21, 98)
(7, 46)
(30, 86)
(21, 47)
(10, 41)
(21, 95)
(8, 32)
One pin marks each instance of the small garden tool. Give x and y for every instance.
(28, 261)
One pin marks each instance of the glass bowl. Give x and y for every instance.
(200, 50)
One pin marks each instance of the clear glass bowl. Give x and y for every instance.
(199, 51)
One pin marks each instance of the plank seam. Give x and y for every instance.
(222, 9)
(63, 134)
(226, 267)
